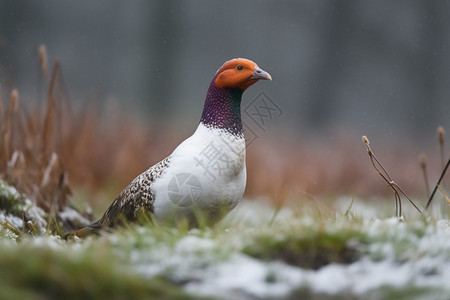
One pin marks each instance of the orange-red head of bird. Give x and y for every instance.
(239, 73)
(222, 107)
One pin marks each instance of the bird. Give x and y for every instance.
(206, 174)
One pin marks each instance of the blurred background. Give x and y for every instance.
(341, 69)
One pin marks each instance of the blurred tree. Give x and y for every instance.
(338, 20)
(12, 15)
(429, 58)
(163, 44)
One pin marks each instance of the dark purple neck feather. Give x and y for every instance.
(223, 109)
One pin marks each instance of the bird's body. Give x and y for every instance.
(206, 173)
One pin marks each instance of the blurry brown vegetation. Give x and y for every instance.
(333, 167)
(41, 148)
(48, 152)
(29, 156)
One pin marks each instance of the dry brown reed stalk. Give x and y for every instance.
(28, 154)
(447, 199)
(50, 112)
(3, 123)
(14, 102)
(423, 166)
(43, 60)
(1, 103)
(13, 108)
(441, 139)
(386, 177)
(7, 127)
(1, 106)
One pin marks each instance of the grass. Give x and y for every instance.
(307, 248)
(40, 272)
(404, 293)
(177, 263)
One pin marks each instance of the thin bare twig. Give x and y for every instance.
(423, 166)
(444, 195)
(438, 183)
(386, 177)
(441, 139)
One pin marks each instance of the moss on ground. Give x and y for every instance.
(10, 201)
(30, 272)
(398, 293)
(309, 247)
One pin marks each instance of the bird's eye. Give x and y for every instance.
(239, 67)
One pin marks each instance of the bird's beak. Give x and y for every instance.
(260, 74)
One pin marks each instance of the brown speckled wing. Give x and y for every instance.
(136, 198)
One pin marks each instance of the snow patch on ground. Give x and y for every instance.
(207, 267)
(211, 263)
(207, 270)
(425, 264)
(37, 214)
(70, 214)
(8, 191)
(32, 210)
(243, 277)
(13, 220)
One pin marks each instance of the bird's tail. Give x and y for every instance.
(93, 228)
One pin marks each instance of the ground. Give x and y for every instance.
(353, 249)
